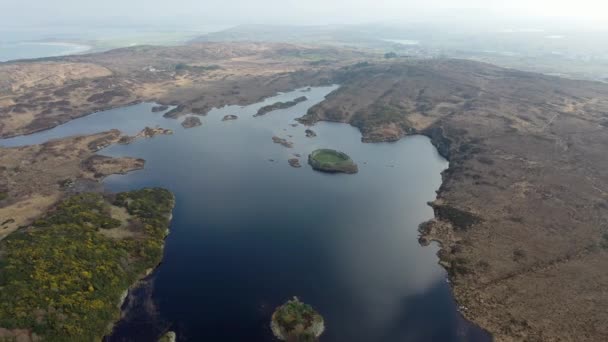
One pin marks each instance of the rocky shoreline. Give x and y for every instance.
(511, 231)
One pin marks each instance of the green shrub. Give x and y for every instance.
(63, 279)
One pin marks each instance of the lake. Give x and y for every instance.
(250, 232)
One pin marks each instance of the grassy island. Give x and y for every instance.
(62, 278)
(297, 322)
(327, 160)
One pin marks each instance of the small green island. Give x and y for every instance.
(295, 321)
(332, 161)
(64, 277)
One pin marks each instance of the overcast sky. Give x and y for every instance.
(230, 12)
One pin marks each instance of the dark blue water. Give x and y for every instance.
(249, 233)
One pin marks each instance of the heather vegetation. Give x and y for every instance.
(297, 321)
(62, 278)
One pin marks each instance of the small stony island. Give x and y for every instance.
(294, 162)
(191, 121)
(229, 117)
(282, 142)
(296, 321)
(280, 105)
(332, 161)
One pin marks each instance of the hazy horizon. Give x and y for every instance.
(191, 14)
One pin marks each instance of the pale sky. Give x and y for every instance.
(26, 12)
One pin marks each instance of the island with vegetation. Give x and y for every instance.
(170, 336)
(280, 105)
(63, 277)
(332, 161)
(297, 322)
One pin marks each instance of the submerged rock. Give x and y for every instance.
(191, 121)
(294, 162)
(160, 108)
(310, 133)
(332, 161)
(230, 117)
(282, 142)
(296, 321)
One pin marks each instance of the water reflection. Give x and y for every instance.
(250, 232)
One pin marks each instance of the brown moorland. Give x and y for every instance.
(39, 94)
(522, 215)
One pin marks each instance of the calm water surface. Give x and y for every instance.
(250, 232)
(22, 50)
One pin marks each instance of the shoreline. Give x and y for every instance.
(69, 49)
(142, 280)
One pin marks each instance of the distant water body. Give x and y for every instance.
(249, 231)
(26, 50)
(403, 41)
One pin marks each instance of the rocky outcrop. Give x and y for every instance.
(229, 117)
(294, 162)
(282, 142)
(191, 121)
(175, 112)
(160, 108)
(147, 132)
